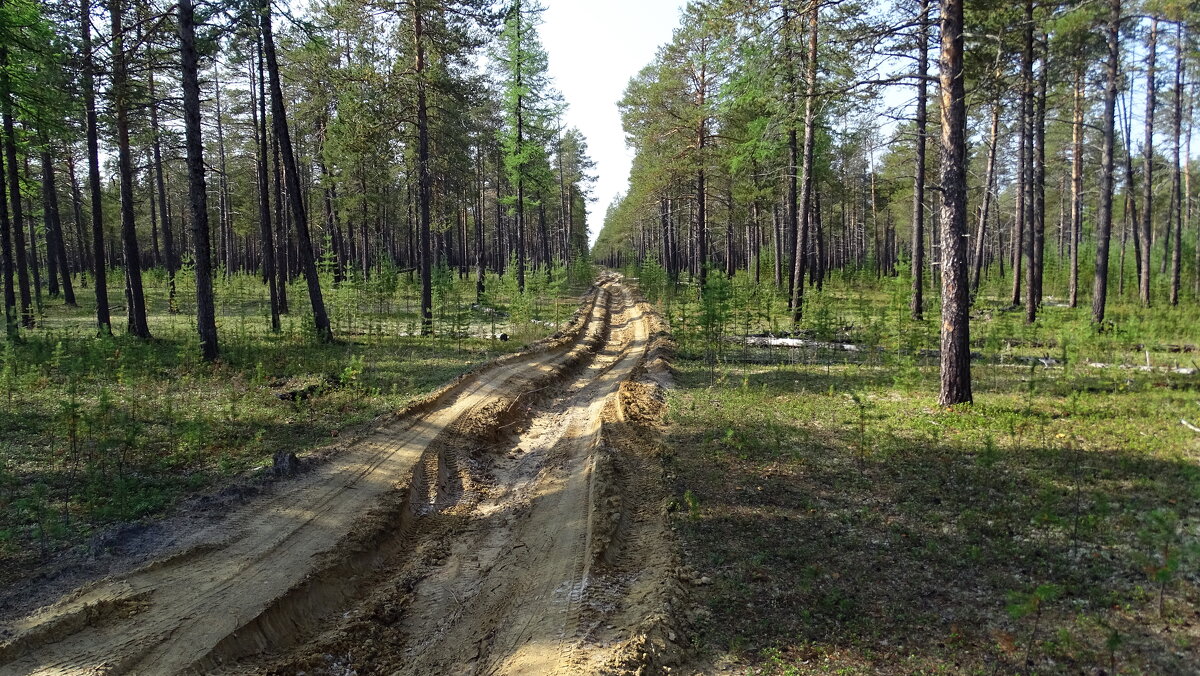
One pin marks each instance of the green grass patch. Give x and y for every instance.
(851, 526)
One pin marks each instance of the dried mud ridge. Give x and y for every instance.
(512, 522)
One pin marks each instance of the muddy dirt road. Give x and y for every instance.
(511, 523)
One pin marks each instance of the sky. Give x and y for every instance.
(594, 48)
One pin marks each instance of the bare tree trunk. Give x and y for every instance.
(1037, 225)
(1017, 240)
(424, 181)
(197, 188)
(48, 226)
(226, 255)
(14, 192)
(1104, 213)
(480, 248)
(818, 269)
(955, 342)
(35, 273)
(791, 225)
(1076, 188)
(82, 260)
(292, 177)
(1176, 176)
(1145, 229)
(161, 190)
(258, 112)
(806, 180)
(6, 257)
(918, 219)
(57, 249)
(138, 325)
(988, 188)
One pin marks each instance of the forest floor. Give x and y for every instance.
(843, 523)
(511, 522)
(100, 437)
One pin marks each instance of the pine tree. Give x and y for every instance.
(530, 106)
(197, 187)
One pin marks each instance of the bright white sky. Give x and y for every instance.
(594, 48)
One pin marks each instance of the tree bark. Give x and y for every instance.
(1145, 227)
(791, 226)
(1104, 212)
(258, 109)
(138, 325)
(801, 257)
(1037, 225)
(292, 177)
(197, 186)
(1076, 187)
(58, 248)
(14, 192)
(1176, 176)
(918, 218)
(989, 184)
(425, 178)
(6, 258)
(955, 334)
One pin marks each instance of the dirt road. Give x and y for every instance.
(511, 523)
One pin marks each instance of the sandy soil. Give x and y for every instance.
(513, 522)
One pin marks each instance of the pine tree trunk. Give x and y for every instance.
(292, 177)
(6, 258)
(1176, 176)
(169, 257)
(48, 228)
(57, 248)
(14, 192)
(82, 260)
(258, 110)
(1145, 229)
(801, 257)
(35, 274)
(480, 248)
(282, 272)
(791, 227)
(1022, 224)
(224, 228)
(1076, 188)
(1104, 212)
(917, 307)
(818, 270)
(1037, 226)
(955, 340)
(138, 325)
(197, 186)
(988, 188)
(424, 180)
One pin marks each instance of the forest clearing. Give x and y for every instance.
(882, 356)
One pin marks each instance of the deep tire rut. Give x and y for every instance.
(512, 523)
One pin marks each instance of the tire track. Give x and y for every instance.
(212, 604)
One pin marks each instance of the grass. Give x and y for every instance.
(100, 431)
(873, 313)
(850, 526)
